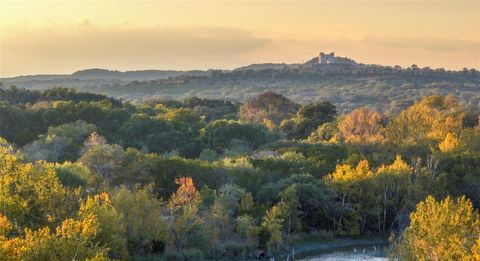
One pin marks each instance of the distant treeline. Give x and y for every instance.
(348, 86)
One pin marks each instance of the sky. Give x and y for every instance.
(58, 37)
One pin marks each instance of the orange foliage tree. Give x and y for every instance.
(362, 126)
(183, 206)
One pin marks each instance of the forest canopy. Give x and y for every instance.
(86, 176)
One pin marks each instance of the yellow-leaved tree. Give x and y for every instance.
(31, 195)
(39, 218)
(427, 121)
(73, 240)
(445, 230)
(356, 192)
(111, 226)
(450, 144)
(393, 181)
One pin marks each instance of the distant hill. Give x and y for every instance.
(346, 83)
(312, 62)
(96, 73)
(261, 66)
(131, 75)
(95, 76)
(38, 77)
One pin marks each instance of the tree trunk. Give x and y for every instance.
(385, 191)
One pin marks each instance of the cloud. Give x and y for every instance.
(432, 44)
(86, 44)
(62, 48)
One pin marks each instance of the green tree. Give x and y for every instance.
(101, 158)
(60, 143)
(146, 228)
(208, 155)
(245, 227)
(290, 208)
(75, 175)
(268, 108)
(246, 204)
(218, 223)
(230, 197)
(273, 224)
(221, 135)
(309, 118)
(264, 237)
(325, 132)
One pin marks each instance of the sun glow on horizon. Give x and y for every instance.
(45, 37)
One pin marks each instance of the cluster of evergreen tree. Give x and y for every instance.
(89, 177)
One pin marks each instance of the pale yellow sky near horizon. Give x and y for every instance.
(48, 37)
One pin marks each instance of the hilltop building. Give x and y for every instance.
(326, 58)
(323, 60)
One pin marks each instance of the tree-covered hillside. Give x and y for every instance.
(348, 85)
(88, 177)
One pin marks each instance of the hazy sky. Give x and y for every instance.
(45, 37)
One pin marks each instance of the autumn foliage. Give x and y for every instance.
(442, 230)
